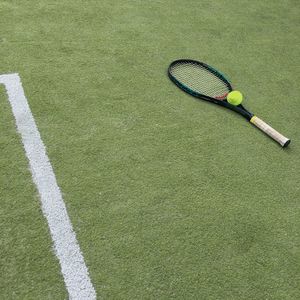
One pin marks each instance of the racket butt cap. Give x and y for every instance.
(286, 143)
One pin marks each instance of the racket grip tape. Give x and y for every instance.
(271, 132)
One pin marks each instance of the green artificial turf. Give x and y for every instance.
(170, 197)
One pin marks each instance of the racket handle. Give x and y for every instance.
(271, 132)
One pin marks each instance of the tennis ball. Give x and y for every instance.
(235, 97)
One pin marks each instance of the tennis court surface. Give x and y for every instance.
(115, 184)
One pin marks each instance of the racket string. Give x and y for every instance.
(200, 79)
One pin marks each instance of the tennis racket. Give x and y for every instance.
(202, 81)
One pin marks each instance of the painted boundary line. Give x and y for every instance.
(66, 247)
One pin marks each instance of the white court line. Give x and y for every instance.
(66, 247)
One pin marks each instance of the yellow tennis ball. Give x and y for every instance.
(235, 97)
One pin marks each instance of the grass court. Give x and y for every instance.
(169, 197)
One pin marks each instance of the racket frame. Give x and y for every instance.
(222, 101)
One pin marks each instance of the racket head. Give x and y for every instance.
(199, 79)
(205, 82)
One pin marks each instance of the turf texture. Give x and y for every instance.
(170, 197)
